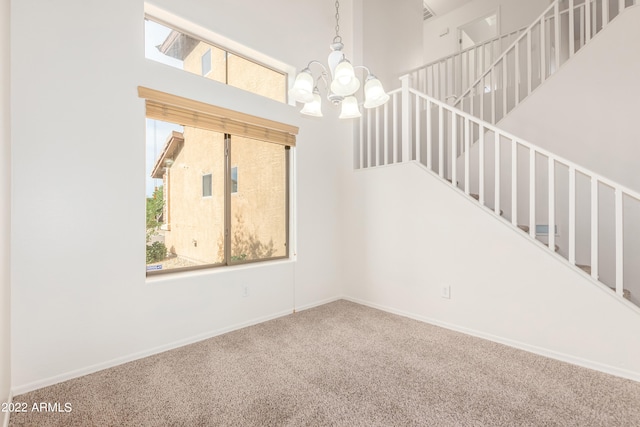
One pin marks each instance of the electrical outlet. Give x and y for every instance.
(245, 291)
(445, 291)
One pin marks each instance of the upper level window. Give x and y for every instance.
(206, 62)
(234, 179)
(206, 185)
(178, 49)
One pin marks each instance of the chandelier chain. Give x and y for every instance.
(337, 38)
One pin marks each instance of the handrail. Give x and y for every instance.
(507, 77)
(507, 50)
(467, 50)
(417, 127)
(445, 77)
(492, 128)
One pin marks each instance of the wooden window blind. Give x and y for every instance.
(187, 112)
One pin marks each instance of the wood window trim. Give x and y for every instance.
(187, 112)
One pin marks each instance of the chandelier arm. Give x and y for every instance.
(323, 77)
(369, 73)
(324, 69)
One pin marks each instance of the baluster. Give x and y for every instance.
(572, 215)
(418, 132)
(440, 142)
(587, 20)
(440, 96)
(378, 159)
(395, 128)
(454, 149)
(369, 141)
(446, 79)
(386, 133)
(361, 143)
(481, 98)
(552, 204)
(433, 83)
(466, 155)
(532, 193)
(619, 243)
(556, 14)
(481, 131)
(516, 81)
(605, 13)
(428, 109)
(594, 228)
(505, 83)
(493, 95)
(514, 182)
(581, 21)
(543, 51)
(620, 6)
(529, 65)
(406, 119)
(496, 207)
(571, 29)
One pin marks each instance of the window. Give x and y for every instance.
(206, 62)
(181, 50)
(234, 180)
(206, 227)
(206, 185)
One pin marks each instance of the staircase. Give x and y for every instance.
(564, 28)
(507, 176)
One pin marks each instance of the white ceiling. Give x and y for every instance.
(441, 7)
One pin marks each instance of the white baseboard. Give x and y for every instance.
(25, 388)
(6, 415)
(318, 303)
(597, 366)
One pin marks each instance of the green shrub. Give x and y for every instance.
(157, 251)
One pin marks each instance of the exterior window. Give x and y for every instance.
(206, 62)
(206, 185)
(207, 227)
(234, 180)
(180, 50)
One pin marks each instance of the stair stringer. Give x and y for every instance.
(412, 234)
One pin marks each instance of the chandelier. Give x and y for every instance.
(344, 83)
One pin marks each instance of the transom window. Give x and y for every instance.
(179, 49)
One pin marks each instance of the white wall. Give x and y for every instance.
(79, 291)
(409, 233)
(5, 205)
(392, 38)
(513, 14)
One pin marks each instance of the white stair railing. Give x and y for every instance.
(449, 77)
(516, 180)
(552, 39)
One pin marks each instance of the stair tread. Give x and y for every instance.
(626, 293)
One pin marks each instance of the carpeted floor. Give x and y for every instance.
(341, 364)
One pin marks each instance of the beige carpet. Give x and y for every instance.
(341, 364)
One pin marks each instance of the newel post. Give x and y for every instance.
(406, 118)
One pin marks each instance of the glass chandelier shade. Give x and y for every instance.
(313, 108)
(302, 90)
(345, 81)
(374, 94)
(350, 108)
